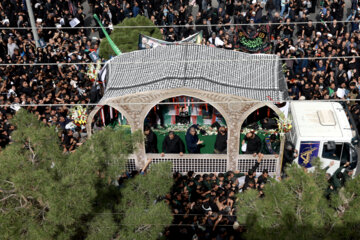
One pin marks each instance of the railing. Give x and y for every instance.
(131, 164)
(199, 163)
(211, 163)
(269, 162)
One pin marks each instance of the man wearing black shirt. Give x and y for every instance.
(253, 143)
(251, 174)
(172, 144)
(334, 28)
(288, 29)
(221, 141)
(290, 153)
(309, 30)
(262, 179)
(150, 141)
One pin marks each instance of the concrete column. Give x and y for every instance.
(32, 22)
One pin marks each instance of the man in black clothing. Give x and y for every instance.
(309, 30)
(262, 179)
(268, 123)
(251, 174)
(253, 143)
(221, 141)
(290, 153)
(150, 141)
(172, 144)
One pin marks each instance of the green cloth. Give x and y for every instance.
(208, 145)
(112, 44)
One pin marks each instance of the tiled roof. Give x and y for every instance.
(253, 76)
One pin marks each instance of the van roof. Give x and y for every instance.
(320, 119)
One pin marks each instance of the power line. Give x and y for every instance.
(172, 103)
(185, 61)
(182, 25)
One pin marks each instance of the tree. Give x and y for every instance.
(294, 208)
(127, 38)
(298, 207)
(45, 194)
(140, 204)
(347, 205)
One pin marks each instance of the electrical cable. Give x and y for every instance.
(186, 61)
(183, 25)
(172, 103)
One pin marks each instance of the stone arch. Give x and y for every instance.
(255, 107)
(97, 109)
(184, 92)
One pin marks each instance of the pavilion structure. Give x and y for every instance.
(235, 83)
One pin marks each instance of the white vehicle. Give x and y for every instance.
(322, 129)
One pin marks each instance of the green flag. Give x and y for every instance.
(112, 44)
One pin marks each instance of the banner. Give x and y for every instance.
(146, 42)
(259, 43)
(112, 44)
(308, 151)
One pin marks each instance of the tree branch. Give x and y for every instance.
(9, 196)
(7, 191)
(32, 152)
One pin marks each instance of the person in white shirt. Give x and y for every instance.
(341, 92)
(11, 47)
(216, 40)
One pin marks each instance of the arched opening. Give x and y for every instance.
(177, 115)
(109, 116)
(259, 132)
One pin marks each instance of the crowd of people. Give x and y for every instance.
(173, 144)
(63, 82)
(320, 41)
(203, 205)
(293, 36)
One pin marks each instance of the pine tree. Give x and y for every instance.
(145, 217)
(45, 194)
(347, 205)
(294, 208)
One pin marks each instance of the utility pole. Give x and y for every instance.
(32, 22)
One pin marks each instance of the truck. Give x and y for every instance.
(323, 129)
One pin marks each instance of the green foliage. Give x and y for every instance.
(348, 210)
(127, 38)
(139, 204)
(102, 226)
(27, 179)
(45, 194)
(295, 208)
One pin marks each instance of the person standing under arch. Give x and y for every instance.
(192, 140)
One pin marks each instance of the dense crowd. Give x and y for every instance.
(334, 40)
(203, 205)
(328, 78)
(63, 82)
